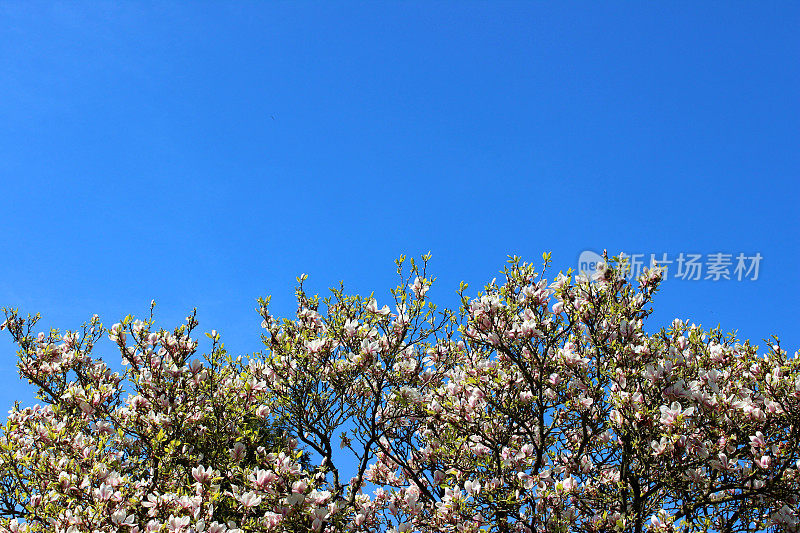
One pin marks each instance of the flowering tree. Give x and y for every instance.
(189, 447)
(540, 406)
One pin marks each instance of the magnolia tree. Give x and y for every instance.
(541, 406)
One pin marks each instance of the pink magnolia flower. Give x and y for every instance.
(262, 478)
(765, 461)
(472, 487)
(238, 451)
(120, 518)
(420, 287)
(177, 524)
(372, 307)
(202, 474)
(671, 414)
(250, 499)
(757, 440)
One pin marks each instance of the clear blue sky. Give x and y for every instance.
(204, 154)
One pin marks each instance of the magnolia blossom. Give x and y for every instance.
(420, 287)
(671, 414)
(372, 307)
(250, 499)
(472, 487)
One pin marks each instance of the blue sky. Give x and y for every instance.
(204, 154)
